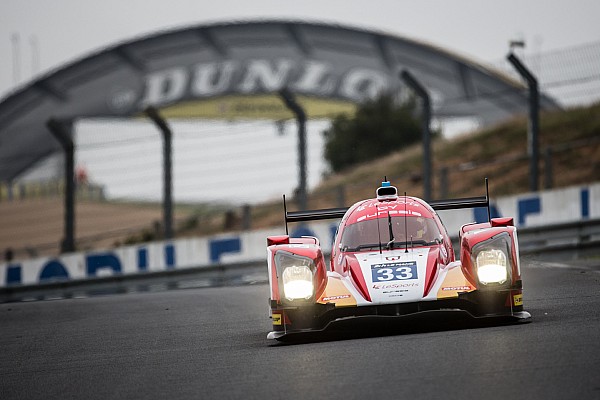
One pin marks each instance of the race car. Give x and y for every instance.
(393, 258)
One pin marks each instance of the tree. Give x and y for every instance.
(379, 127)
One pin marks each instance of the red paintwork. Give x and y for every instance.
(305, 240)
(473, 234)
(321, 274)
(439, 256)
(357, 277)
(473, 227)
(311, 250)
(507, 221)
(373, 208)
(275, 240)
(432, 269)
(274, 284)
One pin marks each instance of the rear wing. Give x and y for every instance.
(311, 215)
(465, 202)
(333, 213)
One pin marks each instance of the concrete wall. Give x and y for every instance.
(529, 209)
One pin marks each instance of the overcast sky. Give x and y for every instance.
(66, 30)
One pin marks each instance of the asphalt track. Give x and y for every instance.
(211, 343)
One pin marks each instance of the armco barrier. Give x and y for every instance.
(185, 278)
(570, 241)
(563, 206)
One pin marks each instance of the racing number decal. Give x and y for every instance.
(394, 271)
(388, 274)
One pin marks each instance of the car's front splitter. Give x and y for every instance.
(296, 322)
(409, 323)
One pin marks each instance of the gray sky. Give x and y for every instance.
(66, 30)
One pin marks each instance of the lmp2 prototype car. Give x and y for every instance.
(392, 257)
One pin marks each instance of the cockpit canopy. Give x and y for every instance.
(367, 234)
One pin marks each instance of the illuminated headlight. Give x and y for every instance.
(491, 266)
(297, 282)
(296, 274)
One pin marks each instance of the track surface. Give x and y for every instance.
(210, 343)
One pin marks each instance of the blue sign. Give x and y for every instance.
(54, 269)
(528, 206)
(219, 247)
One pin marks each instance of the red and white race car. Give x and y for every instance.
(391, 258)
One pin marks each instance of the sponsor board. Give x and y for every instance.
(255, 107)
(255, 76)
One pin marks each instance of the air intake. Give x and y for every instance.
(387, 192)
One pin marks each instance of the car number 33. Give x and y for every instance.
(385, 273)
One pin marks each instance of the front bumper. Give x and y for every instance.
(491, 306)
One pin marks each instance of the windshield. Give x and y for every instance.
(366, 234)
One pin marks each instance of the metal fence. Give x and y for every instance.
(571, 75)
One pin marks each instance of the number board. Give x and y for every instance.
(397, 271)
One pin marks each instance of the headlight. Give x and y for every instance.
(297, 282)
(491, 266)
(296, 275)
(492, 261)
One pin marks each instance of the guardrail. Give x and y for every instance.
(207, 276)
(560, 242)
(566, 235)
(577, 238)
(567, 240)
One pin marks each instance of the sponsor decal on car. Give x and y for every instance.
(385, 286)
(518, 299)
(341, 296)
(457, 288)
(443, 251)
(392, 212)
(276, 319)
(398, 204)
(395, 291)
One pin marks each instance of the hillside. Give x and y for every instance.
(571, 137)
(34, 227)
(498, 153)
